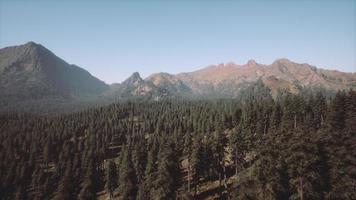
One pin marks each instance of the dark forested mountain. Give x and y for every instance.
(31, 71)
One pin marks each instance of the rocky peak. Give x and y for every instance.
(283, 61)
(31, 44)
(251, 63)
(134, 79)
(136, 75)
(34, 48)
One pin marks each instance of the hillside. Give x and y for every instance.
(31, 71)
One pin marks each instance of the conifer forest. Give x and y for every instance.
(291, 146)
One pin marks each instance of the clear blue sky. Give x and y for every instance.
(112, 39)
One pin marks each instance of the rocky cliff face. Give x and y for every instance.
(281, 74)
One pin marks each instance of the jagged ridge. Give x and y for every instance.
(32, 71)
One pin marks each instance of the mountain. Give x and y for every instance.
(156, 86)
(169, 83)
(135, 86)
(31, 71)
(228, 79)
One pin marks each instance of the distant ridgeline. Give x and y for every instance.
(34, 79)
(293, 146)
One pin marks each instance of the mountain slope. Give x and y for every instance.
(32, 71)
(281, 74)
(169, 83)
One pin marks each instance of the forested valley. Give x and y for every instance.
(293, 146)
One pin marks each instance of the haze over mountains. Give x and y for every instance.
(31, 71)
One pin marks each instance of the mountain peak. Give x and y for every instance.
(251, 63)
(136, 74)
(31, 43)
(35, 49)
(282, 61)
(135, 78)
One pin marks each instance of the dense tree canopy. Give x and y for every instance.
(293, 146)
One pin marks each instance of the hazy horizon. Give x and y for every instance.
(114, 39)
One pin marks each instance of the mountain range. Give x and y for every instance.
(31, 71)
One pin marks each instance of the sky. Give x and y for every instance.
(112, 39)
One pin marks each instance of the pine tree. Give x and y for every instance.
(127, 177)
(337, 112)
(198, 161)
(167, 173)
(276, 117)
(139, 157)
(187, 151)
(65, 188)
(87, 191)
(303, 164)
(238, 146)
(350, 115)
(150, 175)
(220, 142)
(111, 178)
(320, 109)
(47, 153)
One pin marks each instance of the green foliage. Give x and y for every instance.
(111, 180)
(165, 182)
(127, 177)
(294, 146)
